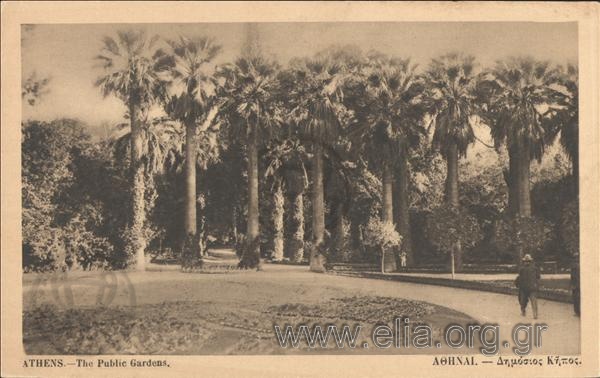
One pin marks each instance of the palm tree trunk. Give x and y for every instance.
(138, 241)
(452, 192)
(388, 211)
(201, 228)
(278, 210)
(190, 181)
(512, 180)
(251, 259)
(401, 207)
(388, 207)
(523, 181)
(317, 261)
(452, 175)
(234, 221)
(296, 245)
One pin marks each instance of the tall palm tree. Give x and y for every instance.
(316, 96)
(248, 86)
(160, 143)
(274, 172)
(193, 103)
(519, 96)
(286, 171)
(394, 113)
(566, 116)
(208, 151)
(451, 82)
(130, 74)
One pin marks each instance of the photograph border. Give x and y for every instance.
(16, 13)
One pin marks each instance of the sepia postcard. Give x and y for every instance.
(300, 189)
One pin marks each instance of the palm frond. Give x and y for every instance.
(451, 86)
(514, 95)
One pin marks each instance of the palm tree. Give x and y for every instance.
(188, 64)
(286, 171)
(248, 87)
(130, 74)
(566, 116)
(274, 169)
(208, 152)
(519, 96)
(394, 113)
(160, 143)
(451, 83)
(316, 94)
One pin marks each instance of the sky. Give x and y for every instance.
(65, 53)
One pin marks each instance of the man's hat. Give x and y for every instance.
(527, 257)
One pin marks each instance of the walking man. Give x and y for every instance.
(528, 283)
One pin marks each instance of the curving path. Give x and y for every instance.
(562, 336)
(279, 284)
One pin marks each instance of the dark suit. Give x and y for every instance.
(528, 283)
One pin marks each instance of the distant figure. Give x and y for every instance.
(575, 284)
(403, 259)
(528, 283)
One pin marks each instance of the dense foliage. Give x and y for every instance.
(515, 237)
(451, 230)
(71, 195)
(331, 158)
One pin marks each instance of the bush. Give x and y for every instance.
(517, 236)
(382, 236)
(568, 228)
(548, 198)
(71, 247)
(71, 212)
(449, 229)
(84, 249)
(45, 251)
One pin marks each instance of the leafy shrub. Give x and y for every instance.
(568, 228)
(83, 248)
(381, 235)
(365, 191)
(45, 251)
(65, 220)
(447, 225)
(449, 229)
(548, 197)
(517, 236)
